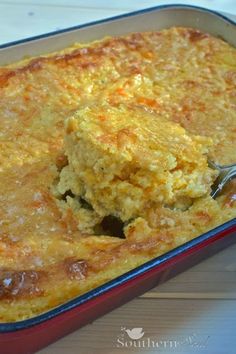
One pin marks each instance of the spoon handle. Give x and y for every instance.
(226, 175)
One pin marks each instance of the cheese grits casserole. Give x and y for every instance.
(123, 160)
(103, 160)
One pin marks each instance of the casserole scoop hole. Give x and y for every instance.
(110, 226)
(67, 194)
(83, 203)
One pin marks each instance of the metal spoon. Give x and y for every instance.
(226, 174)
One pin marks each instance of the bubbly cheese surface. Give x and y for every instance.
(179, 79)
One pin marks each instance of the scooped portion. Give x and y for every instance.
(123, 159)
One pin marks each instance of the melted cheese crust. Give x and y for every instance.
(181, 74)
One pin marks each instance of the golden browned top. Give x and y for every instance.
(184, 75)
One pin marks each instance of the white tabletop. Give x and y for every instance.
(24, 18)
(194, 312)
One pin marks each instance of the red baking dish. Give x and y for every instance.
(30, 335)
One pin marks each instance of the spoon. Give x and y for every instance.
(226, 174)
